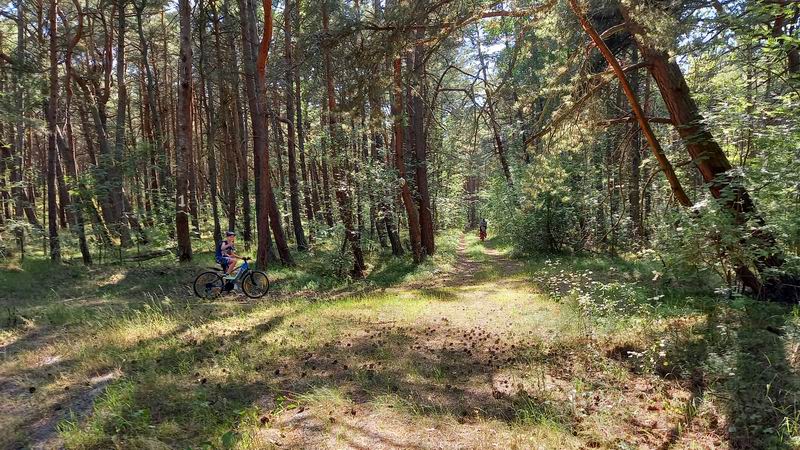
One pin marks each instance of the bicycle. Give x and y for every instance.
(213, 283)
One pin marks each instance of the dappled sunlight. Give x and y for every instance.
(486, 351)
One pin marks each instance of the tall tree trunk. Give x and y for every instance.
(258, 130)
(400, 164)
(184, 135)
(239, 131)
(117, 184)
(52, 127)
(294, 187)
(22, 202)
(421, 149)
(157, 191)
(267, 213)
(635, 160)
(323, 170)
(343, 197)
(196, 129)
(211, 116)
(384, 216)
(261, 89)
(301, 133)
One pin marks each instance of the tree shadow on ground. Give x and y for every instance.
(187, 383)
(145, 360)
(738, 356)
(763, 407)
(436, 372)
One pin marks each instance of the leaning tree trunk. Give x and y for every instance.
(715, 168)
(658, 152)
(184, 134)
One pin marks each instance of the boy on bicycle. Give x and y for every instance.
(226, 253)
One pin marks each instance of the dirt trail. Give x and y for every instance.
(486, 363)
(465, 269)
(470, 403)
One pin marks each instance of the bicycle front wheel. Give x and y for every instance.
(255, 284)
(208, 285)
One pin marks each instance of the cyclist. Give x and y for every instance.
(226, 253)
(483, 228)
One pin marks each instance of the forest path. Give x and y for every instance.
(476, 357)
(474, 263)
(443, 375)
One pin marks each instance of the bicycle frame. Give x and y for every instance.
(241, 271)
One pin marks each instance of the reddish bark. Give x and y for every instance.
(658, 152)
(715, 168)
(399, 158)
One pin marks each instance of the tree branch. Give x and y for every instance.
(631, 119)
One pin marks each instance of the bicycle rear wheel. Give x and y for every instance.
(208, 285)
(255, 284)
